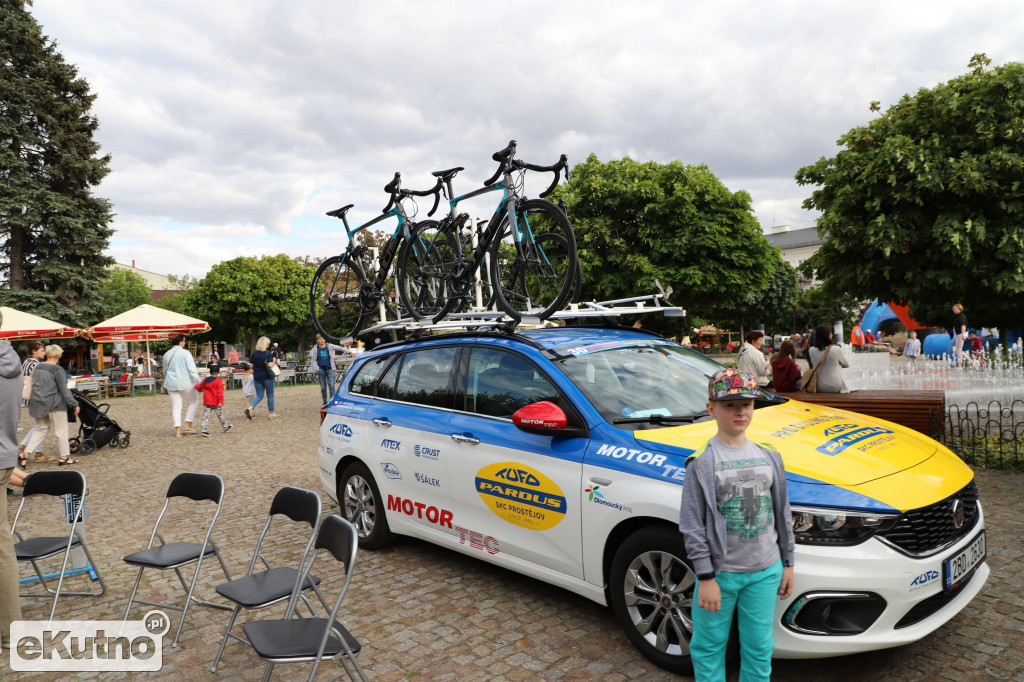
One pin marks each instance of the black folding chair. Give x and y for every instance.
(33, 550)
(174, 555)
(274, 585)
(291, 640)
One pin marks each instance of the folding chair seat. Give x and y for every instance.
(175, 555)
(290, 640)
(274, 585)
(33, 550)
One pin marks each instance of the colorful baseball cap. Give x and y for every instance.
(732, 384)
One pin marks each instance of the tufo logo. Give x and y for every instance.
(522, 496)
(342, 430)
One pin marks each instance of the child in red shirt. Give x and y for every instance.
(212, 389)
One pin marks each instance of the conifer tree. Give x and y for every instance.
(53, 230)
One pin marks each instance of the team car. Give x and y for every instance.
(560, 453)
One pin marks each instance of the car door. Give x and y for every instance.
(512, 492)
(408, 436)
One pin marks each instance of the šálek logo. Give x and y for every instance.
(89, 645)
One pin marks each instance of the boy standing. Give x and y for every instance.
(737, 527)
(213, 398)
(912, 348)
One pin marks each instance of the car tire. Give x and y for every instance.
(361, 505)
(651, 592)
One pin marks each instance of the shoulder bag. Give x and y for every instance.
(810, 378)
(26, 388)
(273, 368)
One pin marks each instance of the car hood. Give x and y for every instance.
(818, 443)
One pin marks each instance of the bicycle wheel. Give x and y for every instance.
(336, 300)
(425, 266)
(534, 276)
(474, 292)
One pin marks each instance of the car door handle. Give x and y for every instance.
(459, 438)
(382, 422)
(601, 481)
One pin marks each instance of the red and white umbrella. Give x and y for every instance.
(145, 323)
(19, 326)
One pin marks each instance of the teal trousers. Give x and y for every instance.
(752, 596)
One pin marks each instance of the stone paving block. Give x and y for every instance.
(426, 613)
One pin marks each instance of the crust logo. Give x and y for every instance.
(522, 496)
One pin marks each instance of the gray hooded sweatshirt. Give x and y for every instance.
(11, 382)
(703, 526)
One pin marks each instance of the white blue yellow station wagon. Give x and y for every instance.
(559, 453)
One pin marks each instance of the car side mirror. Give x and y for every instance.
(546, 419)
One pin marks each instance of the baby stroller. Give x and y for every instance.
(96, 428)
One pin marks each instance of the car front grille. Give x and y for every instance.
(925, 531)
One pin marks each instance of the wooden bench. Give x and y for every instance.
(913, 409)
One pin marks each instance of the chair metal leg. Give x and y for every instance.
(60, 581)
(131, 599)
(227, 634)
(266, 672)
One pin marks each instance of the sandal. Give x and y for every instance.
(22, 457)
(42, 457)
(66, 461)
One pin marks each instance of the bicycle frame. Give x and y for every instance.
(507, 205)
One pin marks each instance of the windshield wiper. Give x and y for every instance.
(662, 419)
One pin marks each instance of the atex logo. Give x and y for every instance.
(89, 645)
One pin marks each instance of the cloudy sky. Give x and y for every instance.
(234, 125)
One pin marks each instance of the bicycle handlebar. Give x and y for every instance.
(556, 168)
(393, 188)
(435, 190)
(503, 157)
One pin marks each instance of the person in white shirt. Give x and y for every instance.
(751, 358)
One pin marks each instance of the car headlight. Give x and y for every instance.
(820, 526)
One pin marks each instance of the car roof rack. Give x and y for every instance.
(501, 322)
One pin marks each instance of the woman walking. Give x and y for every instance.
(49, 402)
(180, 379)
(829, 362)
(34, 354)
(262, 360)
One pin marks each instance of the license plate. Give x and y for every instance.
(955, 568)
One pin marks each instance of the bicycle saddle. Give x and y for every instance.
(447, 174)
(340, 212)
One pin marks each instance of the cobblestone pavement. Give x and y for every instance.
(427, 613)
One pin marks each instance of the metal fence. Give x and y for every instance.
(991, 436)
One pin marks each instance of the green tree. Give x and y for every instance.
(246, 297)
(122, 291)
(771, 305)
(925, 204)
(53, 231)
(640, 222)
(819, 306)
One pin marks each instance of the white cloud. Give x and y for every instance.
(245, 120)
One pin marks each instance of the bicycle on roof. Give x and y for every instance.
(349, 290)
(527, 249)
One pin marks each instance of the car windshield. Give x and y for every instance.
(637, 386)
